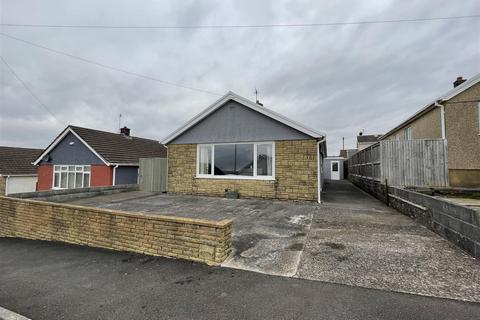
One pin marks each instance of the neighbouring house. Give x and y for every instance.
(454, 116)
(240, 146)
(366, 140)
(81, 157)
(333, 168)
(17, 174)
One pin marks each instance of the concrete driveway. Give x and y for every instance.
(268, 236)
(351, 238)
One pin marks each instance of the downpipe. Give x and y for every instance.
(319, 186)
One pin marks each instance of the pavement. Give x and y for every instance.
(352, 238)
(47, 280)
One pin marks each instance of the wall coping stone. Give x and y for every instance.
(144, 215)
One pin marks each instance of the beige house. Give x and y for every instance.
(454, 116)
(366, 140)
(237, 145)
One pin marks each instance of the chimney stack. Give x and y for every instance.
(459, 81)
(125, 131)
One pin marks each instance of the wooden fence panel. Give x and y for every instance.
(403, 163)
(153, 174)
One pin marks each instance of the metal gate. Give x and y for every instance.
(153, 174)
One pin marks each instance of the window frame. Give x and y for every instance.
(67, 174)
(407, 133)
(232, 176)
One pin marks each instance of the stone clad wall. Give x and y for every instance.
(295, 174)
(2, 186)
(191, 239)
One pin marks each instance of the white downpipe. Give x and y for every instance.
(319, 185)
(114, 174)
(442, 117)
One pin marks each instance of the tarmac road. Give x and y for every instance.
(44, 280)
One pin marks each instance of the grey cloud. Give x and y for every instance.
(338, 79)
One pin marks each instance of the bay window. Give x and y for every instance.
(236, 161)
(70, 177)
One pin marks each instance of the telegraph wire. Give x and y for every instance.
(105, 66)
(29, 90)
(239, 26)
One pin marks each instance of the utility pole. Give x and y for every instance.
(119, 122)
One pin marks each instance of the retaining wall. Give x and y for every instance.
(459, 224)
(191, 239)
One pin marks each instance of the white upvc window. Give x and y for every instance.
(71, 176)
(236, 161)
(407, 133)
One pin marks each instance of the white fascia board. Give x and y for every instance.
(60, 138)
(447, 96)
(250, 104)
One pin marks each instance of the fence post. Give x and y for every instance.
(387, 200)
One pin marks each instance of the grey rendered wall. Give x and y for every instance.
(76, 153)
(327, 169)
(126, 175)
(236, 123)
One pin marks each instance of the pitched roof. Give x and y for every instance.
(18, 161)
(112, 148)
(445, 97)
(368, 138)
(247, 103)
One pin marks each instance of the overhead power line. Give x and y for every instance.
(29, 90)
(105, 66)
(237, 26)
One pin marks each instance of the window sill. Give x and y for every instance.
(235, 178)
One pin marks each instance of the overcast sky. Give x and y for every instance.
(336, 79)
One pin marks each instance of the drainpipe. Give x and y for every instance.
(319, 186)
(114, 174)
(442, 117)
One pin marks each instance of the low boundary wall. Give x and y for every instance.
(458, 224)
(191, 239)
(64, 195)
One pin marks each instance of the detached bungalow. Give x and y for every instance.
(17, 174)
(240, 146)
(81, 157)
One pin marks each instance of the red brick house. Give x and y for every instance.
(81, 157)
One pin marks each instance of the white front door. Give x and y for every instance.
(335, 170)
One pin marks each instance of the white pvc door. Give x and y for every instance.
(335, 170)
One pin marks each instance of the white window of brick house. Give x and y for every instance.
(407, 133)
(236, 161)
(71, 176)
